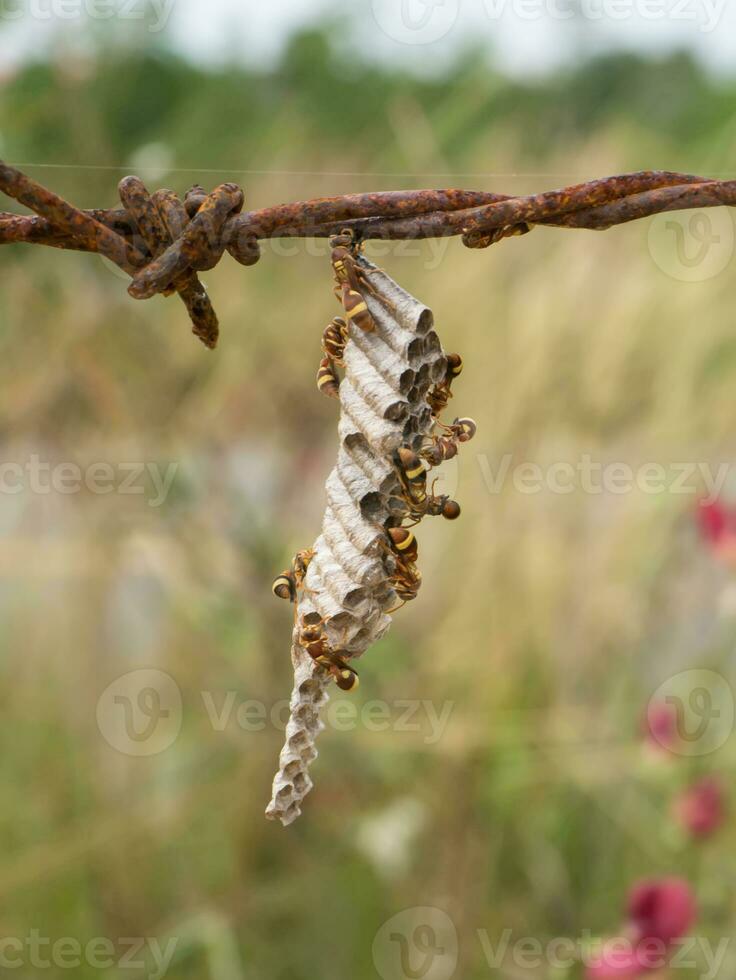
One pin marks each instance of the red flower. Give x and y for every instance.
(701, 808)
(617, 961)
(662, 908)
(658, 911)
(718, 527)
(713, 520)
(660, 725)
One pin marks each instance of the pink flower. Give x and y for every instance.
(700, 809)
(658, 912)
(660, 725)
(718, 527)
(620, 960)
(713, 520)
(661, 908)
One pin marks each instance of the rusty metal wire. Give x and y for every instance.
(162, 242)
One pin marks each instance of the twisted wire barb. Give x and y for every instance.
(162, 242)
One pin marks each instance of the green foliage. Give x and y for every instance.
(321, 99)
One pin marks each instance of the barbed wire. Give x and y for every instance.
(162, 242)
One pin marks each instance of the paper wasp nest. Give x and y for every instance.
(383, 405)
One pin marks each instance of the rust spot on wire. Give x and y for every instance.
(162, 242)
(75, 226)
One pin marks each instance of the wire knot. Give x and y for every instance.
(182, 239)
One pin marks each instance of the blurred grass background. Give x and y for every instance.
(547, 620)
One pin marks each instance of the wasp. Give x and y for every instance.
(482, 239)
(404, 544)
(350, 280)
(406, 579)
(442, 506)
(406, 586)
(334, 339)
(441, 449)
(462, 429)
(287, 584)
(327, 380)
(413, 477)
(440, 394)
(314, 641)
(445, 447)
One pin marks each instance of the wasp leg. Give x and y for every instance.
(364, 283)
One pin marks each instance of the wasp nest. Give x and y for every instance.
(355, 575)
